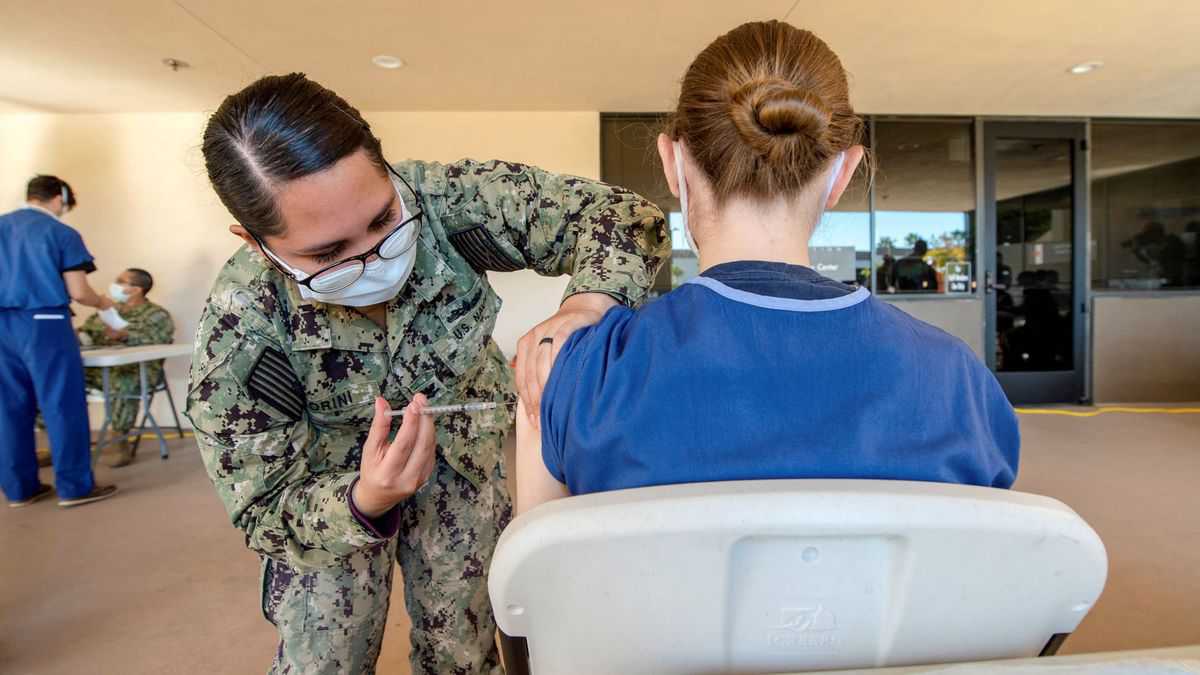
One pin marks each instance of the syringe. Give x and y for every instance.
(475, 406)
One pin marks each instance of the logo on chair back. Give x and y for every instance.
(811, 627)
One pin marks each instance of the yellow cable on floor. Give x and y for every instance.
(168, 434)
(1109, 409)
(174, 434)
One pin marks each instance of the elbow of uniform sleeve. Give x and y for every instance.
(627, 283)
(621, 251)
(285, 512)
(311, 525)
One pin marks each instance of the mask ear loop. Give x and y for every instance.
(833, 176)
(66, 203)
(679, 178)
(683, 197)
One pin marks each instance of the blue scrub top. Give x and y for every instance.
(35, 249)
(759, 370)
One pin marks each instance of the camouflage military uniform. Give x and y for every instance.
(281, 398)
(149, 324)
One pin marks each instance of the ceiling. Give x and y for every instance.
(916, 57)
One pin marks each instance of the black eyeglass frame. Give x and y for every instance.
(375, 250)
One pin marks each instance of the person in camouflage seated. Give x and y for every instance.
(149, 324)
(363, 286)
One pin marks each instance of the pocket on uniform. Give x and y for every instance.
(269, 598)
(468, 320)
(53, 330)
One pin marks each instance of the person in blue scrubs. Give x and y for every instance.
(761, 368)
(43, 266)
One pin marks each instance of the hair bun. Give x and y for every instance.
(764, 110)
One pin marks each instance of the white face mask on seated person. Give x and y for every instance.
(117, 292)
(683, 197)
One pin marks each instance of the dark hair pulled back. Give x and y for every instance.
(763, 108)
(278, 129)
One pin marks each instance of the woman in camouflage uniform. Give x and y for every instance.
(361, 287)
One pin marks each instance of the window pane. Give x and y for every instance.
(1145, 205)
(924, 207)
(629, 158)
(1034, 254)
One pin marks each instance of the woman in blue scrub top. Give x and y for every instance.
(43, 267)
(760, 367)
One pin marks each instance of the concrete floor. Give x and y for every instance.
(157, 581)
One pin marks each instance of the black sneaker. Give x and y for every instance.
(98, 492)
(39, 494)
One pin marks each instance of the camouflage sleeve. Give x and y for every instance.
(257, 456)
(514, 216)
(94, 329)
(154, 327)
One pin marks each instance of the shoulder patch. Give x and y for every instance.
(273, 382)
(482, 251)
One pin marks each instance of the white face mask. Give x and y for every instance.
(117, 292)
(381, 279)
(683, 203)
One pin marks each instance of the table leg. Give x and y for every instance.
(147, 415)
(102, 439)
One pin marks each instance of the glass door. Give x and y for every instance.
(1035, 268)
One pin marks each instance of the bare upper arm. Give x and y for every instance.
(77, 284)
(535, 484)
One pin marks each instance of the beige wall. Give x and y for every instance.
(145, 201)
(1146, 349)
(961, 318)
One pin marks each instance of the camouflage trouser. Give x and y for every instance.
(332, 621)
(122, 381)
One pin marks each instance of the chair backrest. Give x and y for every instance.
(788, 575)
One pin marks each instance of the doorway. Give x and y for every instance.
(1034, 259)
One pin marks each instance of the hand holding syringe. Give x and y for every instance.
(392, 471)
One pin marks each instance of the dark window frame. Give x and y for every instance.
(973, 122)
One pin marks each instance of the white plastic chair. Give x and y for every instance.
(790, 575)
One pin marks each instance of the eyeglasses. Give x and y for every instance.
(340, 275)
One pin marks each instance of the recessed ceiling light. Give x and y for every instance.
(386, 61)
(1085, 67)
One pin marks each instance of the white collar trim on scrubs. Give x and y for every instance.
(786, 304)
(44, 210)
